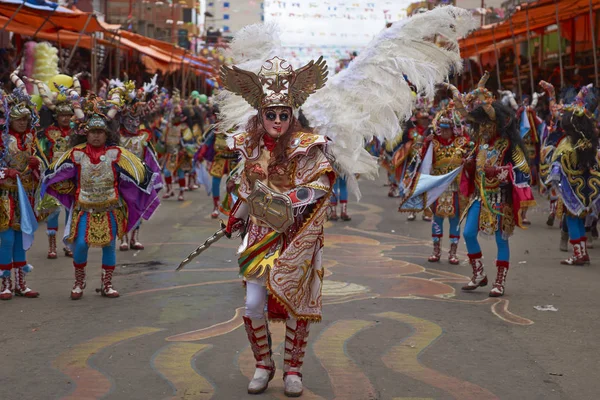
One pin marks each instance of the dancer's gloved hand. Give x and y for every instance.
(233, 225)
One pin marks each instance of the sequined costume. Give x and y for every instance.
(575, 174)
(138, 140)
(108, 190)
(19, 161)
(496, 181)
(53, 144)
(409, 155)
(180, 146)
(220, 162)
(282, 206)
(448, 154)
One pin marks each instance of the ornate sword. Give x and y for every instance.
(214, 238)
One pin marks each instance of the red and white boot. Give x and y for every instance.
(107, 289)
(124, 245)
(333, 212)
(6, 285)
(21, 289)
(260, 343)
(52, 255)
(182, 188)
(344, 214)
(479, 278)
(585, 257)
(192, 182)
(578, 257)
(169, 183)
(215, 212)
(452, 257)
(498, 287)
(296, 333)
(68, 252)
(77, 291)
(135, 243)
(437, 251)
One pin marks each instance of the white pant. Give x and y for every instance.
(256, 298)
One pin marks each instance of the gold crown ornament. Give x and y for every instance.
(64, 108)
(277, 84)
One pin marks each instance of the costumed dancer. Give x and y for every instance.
(574, 172)
(409, 155)
(19, 160)
(286, 167)
(550, 139)
(496, 180)
(221, 161)
(180, 147)
(451, 146)
(530, 125)
(340, 194)
(54, 142)
(136, 138)
(107, 188)
(388, 149)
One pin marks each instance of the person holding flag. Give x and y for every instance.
(444, 153)
(20, 170)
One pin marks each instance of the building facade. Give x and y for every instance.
(179, 22)
(229, 16)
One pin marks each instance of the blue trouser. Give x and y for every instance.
(472, 230)
(52, 221)
(80, 246)
(11, 249)
(216, 186)
(437, 228)
(340, 191)
(576, 227)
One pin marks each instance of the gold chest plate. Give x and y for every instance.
(450, 157)
(278, 178)
(489, 156)
(97, 188)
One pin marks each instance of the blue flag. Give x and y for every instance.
(28, 220)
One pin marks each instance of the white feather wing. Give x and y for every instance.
(372, 98)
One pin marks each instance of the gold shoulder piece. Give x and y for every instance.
(132, 164)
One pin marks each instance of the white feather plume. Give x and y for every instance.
(372, 98)
(250, 48)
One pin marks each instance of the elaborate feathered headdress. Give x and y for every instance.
(276, 84)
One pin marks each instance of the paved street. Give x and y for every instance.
(394, 327)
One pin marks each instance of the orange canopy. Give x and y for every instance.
(49, 21)
(163, 46)
(541, 15)
(62, 36)
(160, 55)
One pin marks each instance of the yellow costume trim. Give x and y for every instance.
(132, 164)
(258, 265)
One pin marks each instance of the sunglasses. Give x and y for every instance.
(272, 116)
